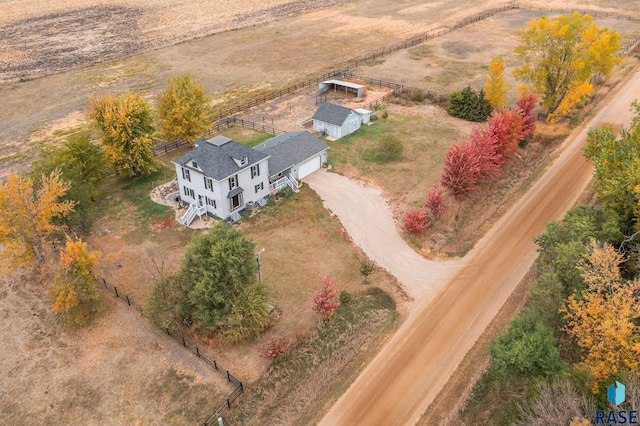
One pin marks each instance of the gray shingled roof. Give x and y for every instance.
(289, 149)
(216, 158)
(332, 114)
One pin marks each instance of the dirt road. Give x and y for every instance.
(401, 382)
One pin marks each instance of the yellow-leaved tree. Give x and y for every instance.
(184, 109)
(27, 219)
(495, 87)
(561, 55)
(602, 318)
(75, 291)
(126, 130)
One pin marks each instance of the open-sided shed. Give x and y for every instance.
(343, 86)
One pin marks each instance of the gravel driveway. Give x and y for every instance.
(366, 216)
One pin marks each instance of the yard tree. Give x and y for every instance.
(249, 315)
(617, 169)
(82, 166)
(435, 200)
(27, 218)
(219, 270)
(415, 221)
(184, 109)
(526, 103)
(125, 128)
(527, 347)
(495, 86)
(603, 319)
(325, 301)
(561, 55)
(462, 168)
(565, 243)
(469, 105)
(75, 292)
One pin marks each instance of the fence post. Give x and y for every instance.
(228, 377)
(215, 365)
(105, 283)
(115, 289)
(241, 388)
(128, 301)
(228, 404)
(184, 343)
(168, 332)
(198, 352)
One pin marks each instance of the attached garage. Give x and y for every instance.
(294, 155)
(309, 167)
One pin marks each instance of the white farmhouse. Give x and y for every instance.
(219, 177)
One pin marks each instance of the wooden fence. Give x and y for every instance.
(235, 121)
(222, 116)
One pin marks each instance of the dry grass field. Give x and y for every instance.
(119, 370)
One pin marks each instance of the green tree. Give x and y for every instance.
(617, 170)
(469, 105)
(565, 242)
(125, 129)
(495, 86)
(82, 166)
(184, 109)
(527, 347)
(249, 315)
(561, 55)
(27, 219)
(75, 292)
(218, 269)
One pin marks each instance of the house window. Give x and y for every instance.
(210, 202)
(255, 171)
(233, 182)
(208, 183)
(189, 192)
(194, 164)
(259, 187)
(186, 175)
(243, 162)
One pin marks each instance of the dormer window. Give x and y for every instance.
(194, 164)
(244, 161)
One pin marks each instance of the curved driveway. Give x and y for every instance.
(366, 217)
(454, 303)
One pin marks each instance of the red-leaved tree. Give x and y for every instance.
(525, 106)
(275, 347)
(435, 200)
(489, 147)
(415, 221)
(462, 168)
(324, 301)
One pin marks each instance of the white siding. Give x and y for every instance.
(221, 188)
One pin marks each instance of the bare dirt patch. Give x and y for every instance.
(290, 112)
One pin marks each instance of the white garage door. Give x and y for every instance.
(309, 167)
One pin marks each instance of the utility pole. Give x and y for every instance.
(259, 260)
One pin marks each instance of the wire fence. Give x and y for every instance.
(186, 343)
